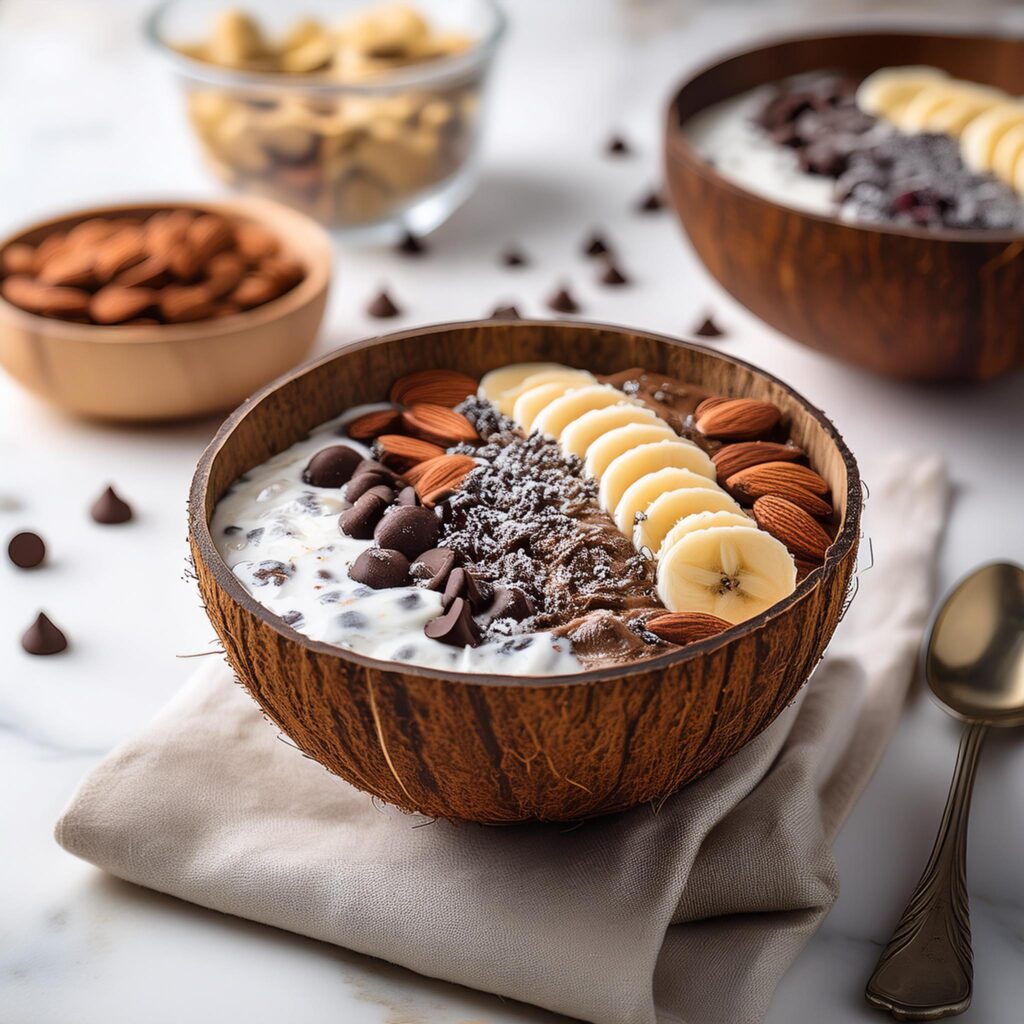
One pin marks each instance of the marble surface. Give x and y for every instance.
(87, 114)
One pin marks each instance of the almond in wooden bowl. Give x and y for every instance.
(464, 745)
(911, 302)
(152, 325)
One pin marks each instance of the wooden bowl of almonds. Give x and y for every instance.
(160, 311)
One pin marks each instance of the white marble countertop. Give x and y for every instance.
(87, 114)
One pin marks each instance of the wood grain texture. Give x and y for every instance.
(500, 749)
(903, 302)
(165, 372)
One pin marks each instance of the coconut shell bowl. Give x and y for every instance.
(498, 749)
(910, 303)
(145, 370)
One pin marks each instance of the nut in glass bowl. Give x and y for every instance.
(367, 117)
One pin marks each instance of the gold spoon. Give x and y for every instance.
(974, 662)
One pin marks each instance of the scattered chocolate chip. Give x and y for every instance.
(509, 603)
(361, 483)
(651, 203)
(462, 583)
(409, 529)
(407, 496)
(43, 637)
(410, 600)
(410, 245)
(596, 246)
(332, 467)
(455, 627)
(563, 302)
(508, 312)
(617, 146)
(273, 572)
(434, 566)
(380, 568)
(230, 531)
(360, 520)
(353, 620)
(109, 508)
(26, 550)
(513, 257)
(708, 329)
(293, 618)
(612, 275)
(382, 306)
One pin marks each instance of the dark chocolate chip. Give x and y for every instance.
(360, 520)
(455, 627)
(373, 466)
(595, 246)
(382, 306)
(26, 550)
(563, 302)
(651, 203)
(617, 146)
(293, 618)
(381, 568)
(410, 245)
(272, 571)
(332, 467)
(230, 530)
(513, 257)
(409, 529)
(407, 496)
(612, 275)
(434, 566)
(353, 620)
(508, 312)
(708, 329)
(364, 482)
(43, 637)
(462, 583)
(110, 509)
(509, 603)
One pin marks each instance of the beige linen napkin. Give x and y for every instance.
(689, 912)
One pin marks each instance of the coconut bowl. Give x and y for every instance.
(904, 302)
(490, 748)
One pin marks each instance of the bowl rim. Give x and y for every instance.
(430, 72)
(202, 538)
(315, 251)
(678, 146)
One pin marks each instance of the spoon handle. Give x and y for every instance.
(926, 971)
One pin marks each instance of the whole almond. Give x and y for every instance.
(24, 292)
(750, 484)
(208, 235)
(708, 403)
(441, 476)
(66, 303)
(284, 270)
(255, 243)
(50, 246)
(789, 523)
(732, 458)
(684, 628)
(436, 387)
(115, 304)
(116, 254)
(91, 231)
(185, 263)
(150, 273)
(439, 424)
(70, 269)
(181, 304)
(18, 258)
(739, 419)
(763, 478)
(165, 230)
(223, 273)
(401, 453)
(254, 290)
(373, 424)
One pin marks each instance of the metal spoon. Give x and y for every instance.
(974, 662)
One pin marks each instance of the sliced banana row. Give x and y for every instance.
(660, 489)
(988, 122)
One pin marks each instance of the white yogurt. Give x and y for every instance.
(271, 518)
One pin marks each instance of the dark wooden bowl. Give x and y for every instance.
(499, 749)
(904, 302)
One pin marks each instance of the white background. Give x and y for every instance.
(88, 114)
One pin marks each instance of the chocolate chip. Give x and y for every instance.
(332, 467)
(381, 568)
(410, 601)
(231, 530)
(410, 245)
(110, 509)
(708, 329)
(407, 496)
(462, 583)
(508, 312)
(408, 529)
(43, 637)
(596, 246)
(613, 276)
(513, 257)
(365, 482)
(26, 550)
(293, 618)
(651, 203)
(382, 307)
(455, 627)
(563, 302)
(617, 146)
(360, 520)
(373, 466)
(272, 571)
(509, 603)
(434, 566)
(353, 620)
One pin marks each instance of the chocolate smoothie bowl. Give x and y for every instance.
(504, 572)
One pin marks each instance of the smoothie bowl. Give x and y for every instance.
(870, 188)
(522, 571)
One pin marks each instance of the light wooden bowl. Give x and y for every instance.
(904, 302)
(167, 372)
(498, 749)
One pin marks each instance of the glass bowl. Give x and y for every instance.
(371, 156)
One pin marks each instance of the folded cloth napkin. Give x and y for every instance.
(687, 912)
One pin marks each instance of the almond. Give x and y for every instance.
(18, 258)
(805, 538)
(208, 235)
(150, 273)
(119, 252)
(708, 403)
(24, 292)
(439, 424)
(400, 453)
(732, 458)
(373, 424)
(114, 304)
(436, 387)
(181, 304)
(684, 628)
(67, 303)
(758, 480)
(254, 290)
(223, 273)
(284, 270)
(772, 478)
(440, 476)
(71, 269)
(739, 419)
(255, 243)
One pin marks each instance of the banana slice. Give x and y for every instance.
(1018, 175)
(530, 404)
(887, 92)
(729, 571)
(604, 450)
(639, 495)
(980, 139)
(954, 117)
(503, 386)
(946, 106)
(555, 417)
(582, 433)
(703, 521)
(663, 513)
(1009, 149)
(629, 467)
